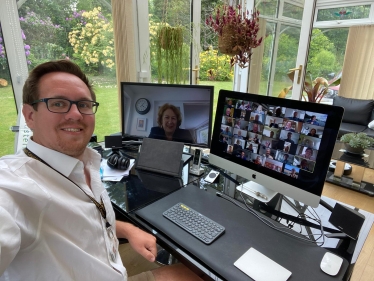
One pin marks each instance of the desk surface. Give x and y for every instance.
(132, 194)
(243, 230)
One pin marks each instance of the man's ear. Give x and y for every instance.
(28, 113)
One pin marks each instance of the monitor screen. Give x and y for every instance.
(180, 113)
(283, 145)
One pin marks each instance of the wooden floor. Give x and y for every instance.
(363, 270)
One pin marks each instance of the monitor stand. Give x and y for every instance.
(257, 191)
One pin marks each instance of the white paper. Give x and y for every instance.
(110, 174)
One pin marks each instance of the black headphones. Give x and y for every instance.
(116, 161)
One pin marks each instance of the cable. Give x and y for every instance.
(314, 217)
(265, 221)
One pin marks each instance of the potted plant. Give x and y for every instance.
(315, 89)
(237, 32)
(356, 143)
(169, 53)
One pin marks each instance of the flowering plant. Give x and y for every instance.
(92, 39)
(315, 89)
(237, 32)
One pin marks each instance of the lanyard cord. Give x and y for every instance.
(100, 206)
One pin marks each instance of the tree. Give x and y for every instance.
(322, 64)
(44, 37)
(321, 48)
(287, 51)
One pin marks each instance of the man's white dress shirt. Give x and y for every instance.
(49, 229)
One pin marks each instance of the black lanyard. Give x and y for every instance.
(100, 206)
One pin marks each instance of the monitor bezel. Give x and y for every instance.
(308, 188)
(177, 86)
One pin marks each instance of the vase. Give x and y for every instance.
(354, 150)
(226, 43)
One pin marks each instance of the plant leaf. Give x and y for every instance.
(284, 92)
(291, 74)
(336, 82)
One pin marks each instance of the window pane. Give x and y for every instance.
(7, 103)
(293, 11)
(326, 56)
(170, 32)
(266, 61)
(215, 69)
(284, 58)
(344, 13)
(267, 8)
(81, 31)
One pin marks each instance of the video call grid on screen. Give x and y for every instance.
(195, 103)
(272, 136)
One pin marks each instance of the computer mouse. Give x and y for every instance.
(331, 264)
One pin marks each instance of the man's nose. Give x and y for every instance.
(74, 113)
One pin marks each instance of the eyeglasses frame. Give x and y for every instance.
(45, 100)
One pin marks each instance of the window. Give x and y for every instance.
(83, 33)
(7, 103)
(344, 13)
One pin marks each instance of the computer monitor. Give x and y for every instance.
(278, 144)
(187, 112)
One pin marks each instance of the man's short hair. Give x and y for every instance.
(31, 87)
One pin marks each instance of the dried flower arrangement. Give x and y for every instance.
(314, 90)
(237, 32)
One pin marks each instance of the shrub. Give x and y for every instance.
(215, 67)
(92, 40)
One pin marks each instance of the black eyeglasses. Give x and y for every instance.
(60, 105)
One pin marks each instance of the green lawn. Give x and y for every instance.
(8, 119)
(218, 85)
(108, 113)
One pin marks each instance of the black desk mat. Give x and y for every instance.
(141, 189)
(243, 230)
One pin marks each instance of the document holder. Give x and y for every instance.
(159, 156)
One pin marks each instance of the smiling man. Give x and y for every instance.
(70, 129)
(56, 219)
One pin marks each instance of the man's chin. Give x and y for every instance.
(75, 152)
(73, 149)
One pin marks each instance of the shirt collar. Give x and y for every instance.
(63, 163)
